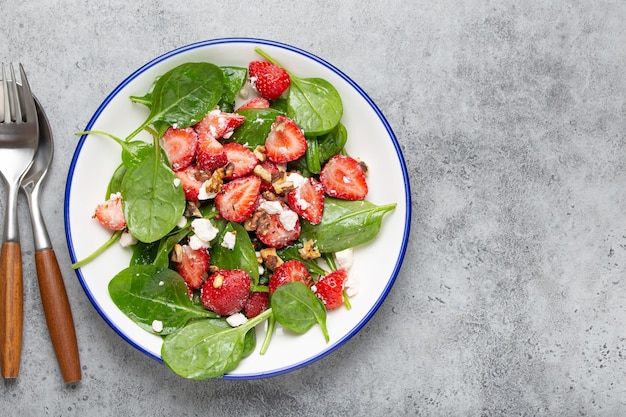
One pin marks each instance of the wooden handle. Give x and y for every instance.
(11, 308)
(56, 307)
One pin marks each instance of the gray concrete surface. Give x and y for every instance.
(512, 118)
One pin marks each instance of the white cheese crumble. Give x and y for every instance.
(204, 229)
(182, 222)
(351, 285)
(271, 207)
(236, 319)
(288, 218)
(229, 240)
(126, 240)
(203, 194)
(176, 182)
(296, 179)
(196, 243)
(344, 258)
(161, 283)
(157, 326)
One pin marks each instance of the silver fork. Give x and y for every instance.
(19, 137)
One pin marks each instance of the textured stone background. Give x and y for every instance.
(511, 116)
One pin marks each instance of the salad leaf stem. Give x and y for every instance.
(114, 238)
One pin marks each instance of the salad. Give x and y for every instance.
(243, 209)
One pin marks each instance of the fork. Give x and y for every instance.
(19, 137)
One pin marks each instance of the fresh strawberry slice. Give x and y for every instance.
(211, 154)
(343, 177)
(257, 303)
(285, 142)
(290, 271)
(268, 79)
(272, 168)
(242, 158)
(226, 291)
(255, 103)
(329, 289)
(237, 199)
(272, 232)
(307, 200)
(191, 181)
(110, 214)
(218, 124)
(180, 146)
(193, 266)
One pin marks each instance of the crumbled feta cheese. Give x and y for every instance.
(203, 194)
(204, 229)
(288, 218)
(157, 326)
(229, 240)
(351, 285)
(196, 243)
(271, 207)
(296, 179)
(126, 240)
(176, 182)
(161, 283)
(261, 270)
(344, 258)
(236, 319)
(182, 222)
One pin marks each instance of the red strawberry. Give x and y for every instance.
(189, 178)
(237, 199)
(218, 124)
(329, 289)
(242, 157)
(268, 79)
(272, 232)
(285, 141)
(255, 103)
(110, 214)
(272, 168)
(180, 146)
(226, 291)
(211, 154)
(193, 266)
(257, 303)
(343, 177)
(290, 271)
(307, 200)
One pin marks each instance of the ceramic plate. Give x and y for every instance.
(370, 138)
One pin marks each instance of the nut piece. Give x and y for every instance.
(177, 253)
(309, 251)
(259, 152)
(271, 258)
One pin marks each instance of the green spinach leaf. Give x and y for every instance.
(298, 309)
(345, 224)
(241, 256)
(255, 128)
(146, 293)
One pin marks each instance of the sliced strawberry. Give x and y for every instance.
(191, 180)
(211, 154)
(272, 232)
(255, 103)
(285, 142)
(110, 214)
(193, 266)
(180, 145)
(218, 124)
(329, 289)
(290, 271)
(242, 158)
(307, 200)
(257, 303)
(237, 199)
(226, 291)
(343, 177)
(272, 168)
(268, 79)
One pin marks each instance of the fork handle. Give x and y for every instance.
(58, 314)
(12, 310)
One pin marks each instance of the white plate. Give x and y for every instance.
(369, 137)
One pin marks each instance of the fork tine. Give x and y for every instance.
(15, 101)
(28, 100)
(5, 93)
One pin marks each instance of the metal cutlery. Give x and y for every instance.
(19, 137)
(51, 286)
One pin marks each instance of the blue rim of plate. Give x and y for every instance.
(383, 120)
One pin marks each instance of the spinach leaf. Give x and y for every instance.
(298, 309)
(234, 79)
(144, 253)
(345, 224)
(241, 256)
(208, 348)
(115, 183)
(152, 202)
(312, 156)
(332, 143)
(146, 293)
(254, 130)
(183, 95)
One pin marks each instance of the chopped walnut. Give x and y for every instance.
(177, 253)
(262, 173)
(193, 209)
(309, 251)
(214, 183)
(259, 152)
(271, 258)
